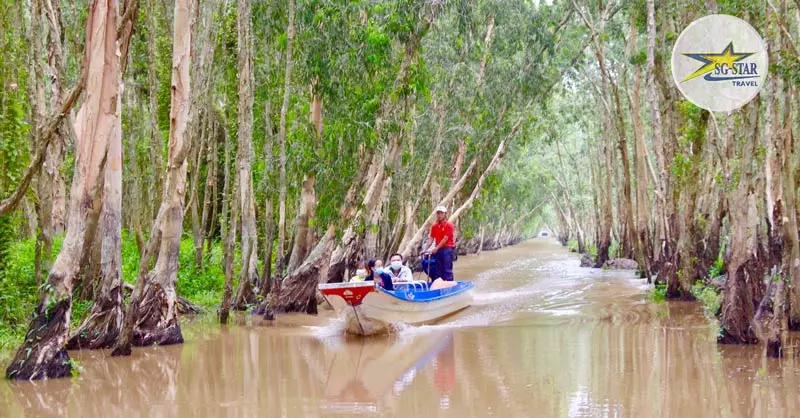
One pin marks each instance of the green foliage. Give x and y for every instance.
(716, 269)
(658, 293)
(203, 286)
(709, 297)
(75, 367)
(19, 295)
(639, 59)
(591, 249)
(613, 250)
(572, 246)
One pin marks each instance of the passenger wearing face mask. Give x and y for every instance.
(397, 270)
(361, 272)
(376, 272)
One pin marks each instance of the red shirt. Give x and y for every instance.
(443, 229)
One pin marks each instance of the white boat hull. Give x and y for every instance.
(379, 310)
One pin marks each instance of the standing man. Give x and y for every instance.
(443, 236)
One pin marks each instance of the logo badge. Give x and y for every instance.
(719, 63)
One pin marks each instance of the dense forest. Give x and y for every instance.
(165, 157)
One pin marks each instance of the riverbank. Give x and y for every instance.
(543, 335)
(201, 286)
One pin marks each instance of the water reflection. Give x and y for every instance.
(546, 339)
(364, 372)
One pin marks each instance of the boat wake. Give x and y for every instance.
(546, 293)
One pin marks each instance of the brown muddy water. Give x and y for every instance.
(545, 338)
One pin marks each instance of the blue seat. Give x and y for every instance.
(429, 267)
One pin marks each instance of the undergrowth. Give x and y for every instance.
(589, 248)
(19, 294)
(709, 298)
(658, 293)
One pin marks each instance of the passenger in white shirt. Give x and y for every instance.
(397, 270)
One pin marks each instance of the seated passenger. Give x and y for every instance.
(398, 271)
(361, 273)
(379, 275)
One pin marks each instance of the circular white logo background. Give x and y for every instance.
(719, 63)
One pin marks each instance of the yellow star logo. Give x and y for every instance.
(710, 61)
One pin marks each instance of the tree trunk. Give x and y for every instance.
(211, 228)
(782, 233)
(348, 209)
(644, 245)
(572, 220)
(198, 150)
(245, 295)
(606, 217)
(44, 185)
(152, 316)
(269, 219)
(209, 195)
(744, 271)
(302, 243)
(230, 217)
(658, 135)
(375, 214)
(55, 152)
(42, 354)
(789, 223)
(101, 328)
(386, 112)
(407, 248)
(287, 82)
(679, 285)
(622, 145)
(496, 159)
(298, 290)
(156, 141)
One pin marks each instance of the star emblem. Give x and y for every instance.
(710, 60)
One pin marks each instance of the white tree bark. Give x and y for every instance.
(152, 315)
(42, 354)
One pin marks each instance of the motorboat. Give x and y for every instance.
(370, 309)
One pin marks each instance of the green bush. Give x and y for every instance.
(613, 250)
(708, 297)
(658, 293)
(591, 249)
(572, 246)
(202, 286)
(18, 292)
(19, 295)
(716, 269)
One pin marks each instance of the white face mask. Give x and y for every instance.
(378, 270)
(361, 273)
(397, 264)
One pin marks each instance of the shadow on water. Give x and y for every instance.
(544, 338)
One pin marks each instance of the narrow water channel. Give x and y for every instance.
(544, 338)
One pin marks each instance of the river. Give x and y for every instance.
(544, 338)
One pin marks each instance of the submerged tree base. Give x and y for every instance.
(774, 349)
(727, 338)
(168, 336)
(794, 324)
(100, 330)
(158, 320)
(42, 355)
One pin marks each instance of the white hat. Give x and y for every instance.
(441, 208)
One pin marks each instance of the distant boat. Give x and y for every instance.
(544, 234)
(370, 309)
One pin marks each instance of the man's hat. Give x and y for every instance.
(441, 208)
